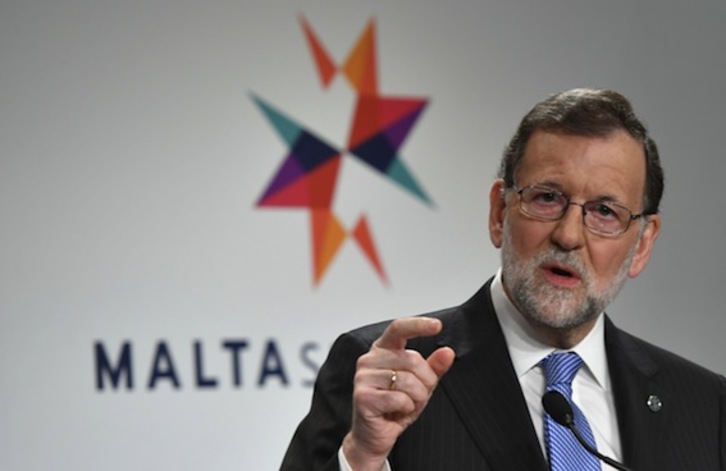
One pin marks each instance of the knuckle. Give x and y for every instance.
(394, 327)
(363, 397)
(413, 356)
(367, 359)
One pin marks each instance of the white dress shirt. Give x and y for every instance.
(591, 388)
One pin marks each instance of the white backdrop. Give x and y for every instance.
(131, 159)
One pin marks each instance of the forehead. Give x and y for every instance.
(600, 166)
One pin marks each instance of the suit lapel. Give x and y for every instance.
(633, 375)
(485, 391)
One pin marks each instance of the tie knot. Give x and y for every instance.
(561, 368)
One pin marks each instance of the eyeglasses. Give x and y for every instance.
(599, 216)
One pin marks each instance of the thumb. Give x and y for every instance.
(441, 360)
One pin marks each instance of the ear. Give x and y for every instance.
(497, 206)
(645, 246)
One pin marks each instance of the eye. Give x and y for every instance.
(547, 197)
(544, 196)
(604, 211)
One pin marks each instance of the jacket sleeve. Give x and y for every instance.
(316, 441)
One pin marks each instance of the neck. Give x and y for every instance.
(563, 338)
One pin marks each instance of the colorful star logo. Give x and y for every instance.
(308, 175)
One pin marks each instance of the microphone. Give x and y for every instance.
(559, 408)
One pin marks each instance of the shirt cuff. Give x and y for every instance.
(344, 466)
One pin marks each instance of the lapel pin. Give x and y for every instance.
(654, 403)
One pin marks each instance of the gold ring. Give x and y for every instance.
(392, 383)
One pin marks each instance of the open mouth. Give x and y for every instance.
(561, 272)
(561, 277)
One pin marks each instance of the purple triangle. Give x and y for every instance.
(289, 172)
(398, 132)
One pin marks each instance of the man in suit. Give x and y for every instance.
(575, 213)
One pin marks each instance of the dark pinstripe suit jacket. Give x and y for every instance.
(477, 418)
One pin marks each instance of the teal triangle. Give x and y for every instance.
(288, 129)
(398, 172)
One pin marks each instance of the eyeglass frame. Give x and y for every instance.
(519, 190)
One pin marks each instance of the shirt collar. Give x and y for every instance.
(526, 350)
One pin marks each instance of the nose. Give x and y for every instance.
(569, 233)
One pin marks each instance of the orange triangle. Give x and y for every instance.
(362, 235)
(360, 66)
(328, 235)
(325, 64)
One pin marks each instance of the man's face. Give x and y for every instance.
(558, 273)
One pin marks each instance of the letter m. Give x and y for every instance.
(105, 368)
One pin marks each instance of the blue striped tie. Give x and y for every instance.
(565, 453)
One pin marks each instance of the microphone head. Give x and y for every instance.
(558, 407)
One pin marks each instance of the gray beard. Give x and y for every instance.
(546, 304)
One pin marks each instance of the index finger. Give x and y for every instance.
(400, 330)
